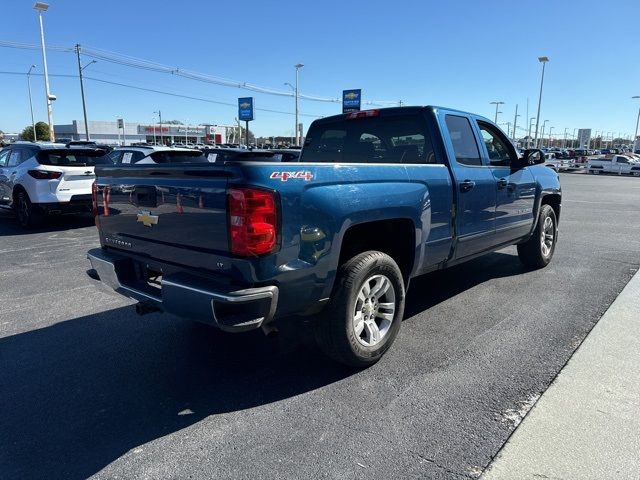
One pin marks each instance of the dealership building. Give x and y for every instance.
(113, 133)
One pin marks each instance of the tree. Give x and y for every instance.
(42, 132)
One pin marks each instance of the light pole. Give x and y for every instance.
(42, 7)
(297, 66)
(154, 128)
(549, 143)
(635, 135)
(497, 104)
(530, 126)
(542, 60)
(84, 105)
(564, 142)
(541, 135)
(33, 123)
(515, 123)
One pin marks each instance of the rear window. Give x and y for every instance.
(88, 158)
(386, 139)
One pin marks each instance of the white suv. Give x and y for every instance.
(37, 180)
(153, 154)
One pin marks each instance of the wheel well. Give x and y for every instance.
(17, 189)
(394, 237)
(554, 200)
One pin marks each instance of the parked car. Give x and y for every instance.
(620, 164)
(221, 155)
(152, 154)
(557, 164)
(378, 197)
(42, 179)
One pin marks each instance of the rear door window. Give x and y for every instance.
(14, 158)
(386, 139)
(463, 140)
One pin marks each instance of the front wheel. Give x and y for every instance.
(538, 250)
(365, 312)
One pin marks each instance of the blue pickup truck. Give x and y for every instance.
(377, 198)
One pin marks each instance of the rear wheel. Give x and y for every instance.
(365, 313)
(28, 215)
(538, 250)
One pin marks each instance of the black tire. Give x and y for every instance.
(334, 328)
(28, 215)
(532, 252)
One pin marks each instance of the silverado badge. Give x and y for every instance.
(147, 219)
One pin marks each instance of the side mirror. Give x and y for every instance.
(531, 156)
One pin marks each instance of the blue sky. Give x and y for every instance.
(460, 54)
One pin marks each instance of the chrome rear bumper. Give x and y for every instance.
(191, 296)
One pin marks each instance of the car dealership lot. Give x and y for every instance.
(89, 388)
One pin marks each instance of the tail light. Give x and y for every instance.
(94, 203)
(44, 174)
(253, 221)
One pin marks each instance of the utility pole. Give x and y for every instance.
(33, 123)
(544, 61)
(43, 7)
(84, 105)
(564, 142)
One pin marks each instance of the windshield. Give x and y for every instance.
(80, 158)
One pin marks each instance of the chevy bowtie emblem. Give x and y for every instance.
(147, 219)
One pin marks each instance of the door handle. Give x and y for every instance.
(467, 185)
(503, 182)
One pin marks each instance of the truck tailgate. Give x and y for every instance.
(176, 214)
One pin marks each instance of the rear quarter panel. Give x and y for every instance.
(319, 202)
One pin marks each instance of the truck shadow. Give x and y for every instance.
(433, 288)
(79, 394)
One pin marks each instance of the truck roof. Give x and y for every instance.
(398, 110)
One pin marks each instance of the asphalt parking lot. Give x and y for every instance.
(89, 388)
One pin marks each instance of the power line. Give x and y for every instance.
(133, 62)
(152, 90)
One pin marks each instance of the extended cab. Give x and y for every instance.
(378, 197)
(619, 164)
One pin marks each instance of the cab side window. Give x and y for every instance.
(498, 147)
(463, 140)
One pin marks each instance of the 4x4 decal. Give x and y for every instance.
(284, 176)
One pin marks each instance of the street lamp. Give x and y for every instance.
(297, 66)
(33, 123)
(154, 127)
(497, 104)
(515, 123)
(542, 134)
(549, 143)
(542, 60)
(84, 105)
(530, 126)
(635, 136)
(43, 7)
